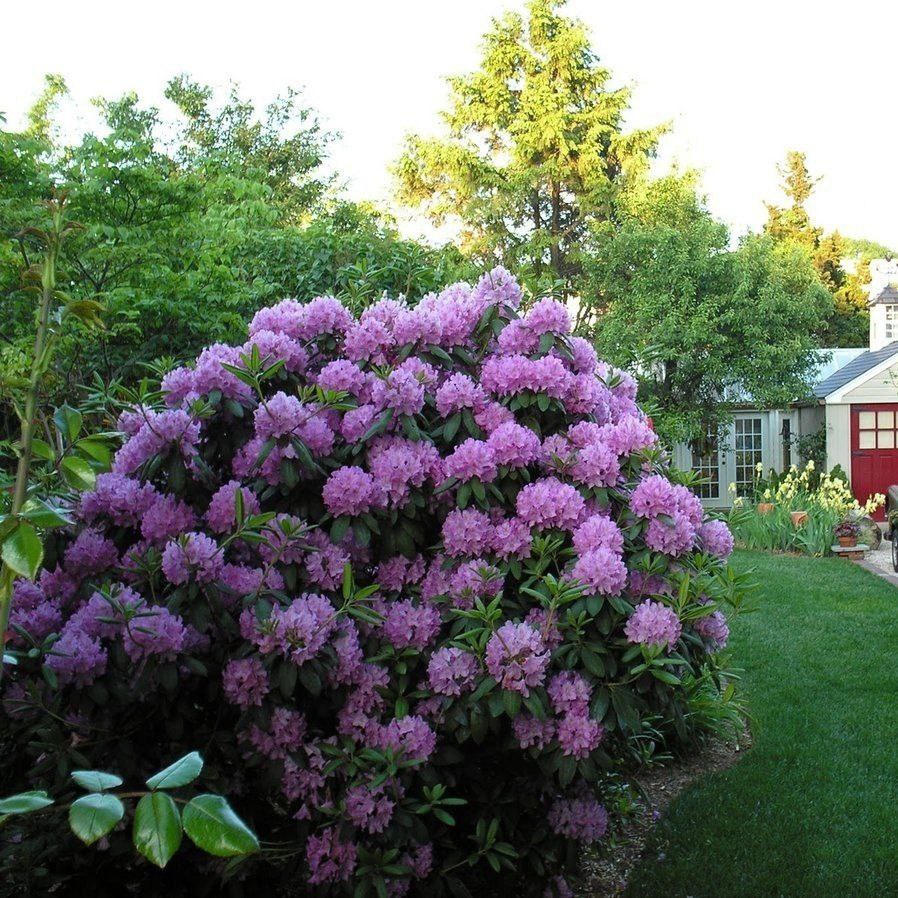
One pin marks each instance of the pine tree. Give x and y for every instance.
(536, 151)
(848, 323)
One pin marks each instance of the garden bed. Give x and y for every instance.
(606, 874)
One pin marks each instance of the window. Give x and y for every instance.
(787, 443)
(876, 430)
(706, 463)
(748, 452)
(891, 322)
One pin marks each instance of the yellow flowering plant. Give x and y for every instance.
(824, 496)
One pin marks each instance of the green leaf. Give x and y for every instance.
(665, 676)
(512, 702)
(287, 679)
(68, 421)
(339, 528)
(157, 828)
(598, 707)
(96, 780)
(592, 662)
(78, 473)
(25, 802)
(93, 816)
(42, 514)
(546, 342)
(97, 449)
(310, 680)
(213, 826)
(23, 550)
(566, 771)
(444, 816)
(185, 770)
(451, 427)
(42, 449)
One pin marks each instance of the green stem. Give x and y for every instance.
(28, 418)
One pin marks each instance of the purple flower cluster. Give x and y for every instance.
(298, 631)
(245, 682)
(457, 393)
(582, 819)
(713, 628)
(715, 538)
(473, 458)
(451, 671)
(173, 429)
(675, 514)
(654, 623)
(192, 555)
(351, 491)
(516, 657)
(550, 503)
(406, 624)
(600, 571)
(329, 858)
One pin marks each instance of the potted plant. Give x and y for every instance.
(847, 532)
(765, 500)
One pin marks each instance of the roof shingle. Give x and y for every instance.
(887, 296)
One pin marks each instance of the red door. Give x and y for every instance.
(874, 450)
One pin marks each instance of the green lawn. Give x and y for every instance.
(812, 808)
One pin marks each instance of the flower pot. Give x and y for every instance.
(846, 542)
(798, 517)
(765, 507)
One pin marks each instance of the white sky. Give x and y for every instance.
(741, 83)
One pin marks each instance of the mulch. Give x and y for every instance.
(606, 874)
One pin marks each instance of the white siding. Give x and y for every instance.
(838, 437)
(882, 387)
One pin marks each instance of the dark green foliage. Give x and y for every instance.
(704, 325)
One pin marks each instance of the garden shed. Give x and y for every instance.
(854, 400)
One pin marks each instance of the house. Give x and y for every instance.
(853, 404)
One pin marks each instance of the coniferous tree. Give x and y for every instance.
(536, 151)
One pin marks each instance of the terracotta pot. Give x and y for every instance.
(798, 517)
(846, 542)
(765, 507)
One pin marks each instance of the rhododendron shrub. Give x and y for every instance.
(416, 583)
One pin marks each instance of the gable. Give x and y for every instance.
(881, 386)
(852, 374)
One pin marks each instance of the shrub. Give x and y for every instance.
(419, 585)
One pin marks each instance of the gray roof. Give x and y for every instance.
(855, 368)
(887, 296)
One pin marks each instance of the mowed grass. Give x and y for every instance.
(812, 808)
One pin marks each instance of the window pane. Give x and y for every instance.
(885, 439)
(885, 420)
(867, 420)
(866, 440)
(748, 453)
